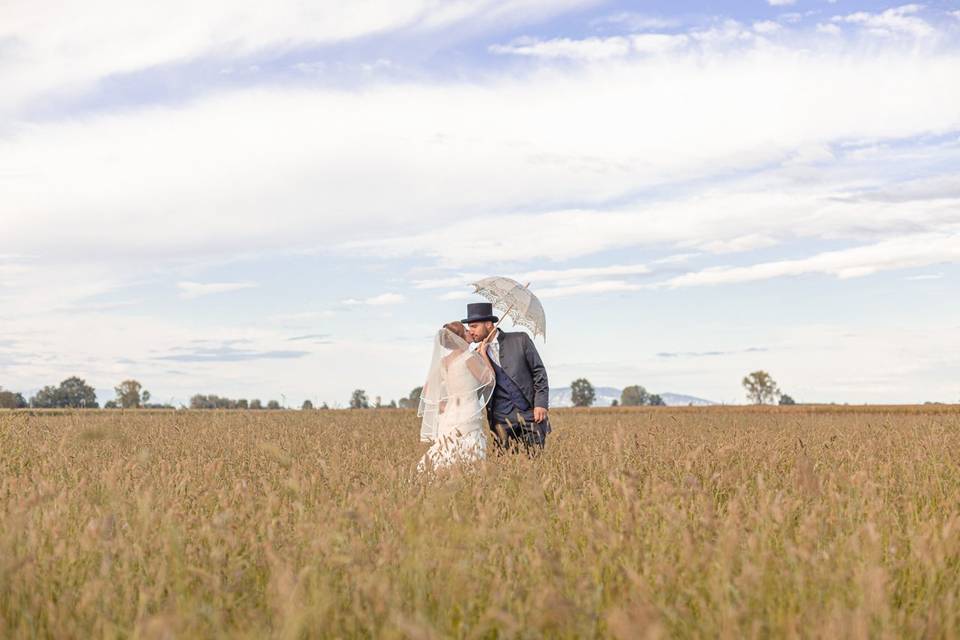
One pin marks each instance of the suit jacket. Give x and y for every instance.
(520, 360)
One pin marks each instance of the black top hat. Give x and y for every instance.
(480, 312)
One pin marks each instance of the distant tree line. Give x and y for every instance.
(360, 400)
(75, 393)
(582, 394)
(213, 401)
(760, 386)
(12, 400)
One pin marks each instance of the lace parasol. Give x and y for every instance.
(516, 301)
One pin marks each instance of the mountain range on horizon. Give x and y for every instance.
(560, 397)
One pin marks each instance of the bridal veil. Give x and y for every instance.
(468, 390)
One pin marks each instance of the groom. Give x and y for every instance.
(517, 413)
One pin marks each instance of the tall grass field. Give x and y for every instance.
(806, 522)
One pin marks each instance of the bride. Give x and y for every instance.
(459, 385)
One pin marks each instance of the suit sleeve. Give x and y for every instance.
(541, 388)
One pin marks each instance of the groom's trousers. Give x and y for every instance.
(530, 437)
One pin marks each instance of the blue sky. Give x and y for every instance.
(254, 201)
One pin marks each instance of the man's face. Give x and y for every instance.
(479, 330)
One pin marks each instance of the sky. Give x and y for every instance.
(285, 200)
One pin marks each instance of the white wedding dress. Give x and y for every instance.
(459, 426)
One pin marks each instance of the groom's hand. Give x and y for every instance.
(539, 414)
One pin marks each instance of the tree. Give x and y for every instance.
(111, 404)
(761, 388)
(359, 400)
(255, 404)
(128, 394)
(785, 399)
(306, 406)
(324, 406)
(413, 400)
(72, 392)
(161, 405)
(145, 396)
(393, 404)
(582, 393)
(213, 401)
(377, 403)
(11, 400)
(46, 398)
(243, 404)
(634, 396)
(615, 403)
(654, 400)
(76, 393)
(273, 405)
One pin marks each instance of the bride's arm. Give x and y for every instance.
(480, 367)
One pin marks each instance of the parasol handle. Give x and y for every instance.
(505, 313)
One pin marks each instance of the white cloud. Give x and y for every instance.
(376, 301)
(636, 21)
(918, 250)
(655, 43)
(539, 276)
(302, 318)
(781, 3)
(767, 26)
(566, 275)
(595, 287)
(9, 271)
(590, 49)
(741, 243)
(679, 258)
(728, 32)
(258, 170)
(742, 217)
(552, 283)
(69, 46)
(812, 154)
(191, 290)
(33, 287)
(896, 21)
(910, 251)
(456, 295)
(385, 298)
(597, 49)
(462, 279)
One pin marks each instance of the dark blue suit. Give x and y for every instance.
(521, 385)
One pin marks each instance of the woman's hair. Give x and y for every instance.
(457, 328)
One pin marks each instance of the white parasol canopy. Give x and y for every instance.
(515, 301)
